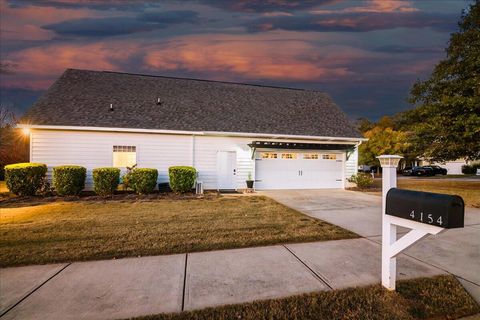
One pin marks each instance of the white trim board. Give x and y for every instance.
(204, 133)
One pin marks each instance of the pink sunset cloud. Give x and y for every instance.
(218, 56)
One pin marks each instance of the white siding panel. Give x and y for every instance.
(95, 149)
(206, 149)
(351, 165)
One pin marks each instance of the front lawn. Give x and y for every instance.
(38, 233)
(468, 190)
(440, 297)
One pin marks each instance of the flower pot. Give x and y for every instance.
(249, 184)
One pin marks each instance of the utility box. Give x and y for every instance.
(440, 210)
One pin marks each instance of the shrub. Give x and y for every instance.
(470, 169)
(25, 179)
(126, 177)
(363, 180)
(182, 178)
(69, 180)
(143, 180)
(105, 181)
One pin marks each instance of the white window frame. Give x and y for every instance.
(329, 156)
(126, 151)
(268, 155)
(289, 156)
(311, 156)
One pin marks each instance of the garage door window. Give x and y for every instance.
(124, 156)
(289, 156)
(269, 155)
(329, 156)
(310, 156)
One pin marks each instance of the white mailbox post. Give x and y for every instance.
(391, 247)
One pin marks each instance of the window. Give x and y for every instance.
(329, 156)
(289, 156)
(269, 155)
(310, 156)
(124, 156)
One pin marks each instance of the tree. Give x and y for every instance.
(383, 139)
(363, 124)
(445, 124)
(13, 143)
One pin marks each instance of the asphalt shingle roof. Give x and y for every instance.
(83, 98)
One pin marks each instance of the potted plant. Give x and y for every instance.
(249, 181)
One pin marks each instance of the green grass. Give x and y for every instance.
(456, 176)
(38, 233)
(468, 190)
(440, 297)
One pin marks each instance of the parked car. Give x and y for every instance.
(437, 170)
(407, 171)
(422, 171)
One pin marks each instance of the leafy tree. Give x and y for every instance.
(382, 140)
(446, 121)
(13, 143)
(364, 124)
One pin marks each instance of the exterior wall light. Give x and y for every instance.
(26, 131)
(389, 161)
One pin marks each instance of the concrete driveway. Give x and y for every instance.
(456, 251)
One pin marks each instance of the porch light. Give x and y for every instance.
(26, 131)
(389, 161)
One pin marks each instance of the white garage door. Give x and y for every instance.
(298, 170)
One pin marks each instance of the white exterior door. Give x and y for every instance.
(299, 170)
(226, 170)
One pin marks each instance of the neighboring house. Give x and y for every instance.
(285, 138)
(453, 167)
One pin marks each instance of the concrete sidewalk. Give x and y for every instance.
(113, 289)
(456, 251)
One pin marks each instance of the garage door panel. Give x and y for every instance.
(309, 173)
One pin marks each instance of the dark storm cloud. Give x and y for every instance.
(354, 22)
(100, 27)
(7, 68)
(170, 17)
(121, 5)
(105, 27)
(266, 5)
(406, 49)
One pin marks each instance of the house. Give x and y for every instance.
(283, 138)
(453, 167)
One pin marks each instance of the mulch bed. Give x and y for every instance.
(122, 196)
(373, 189)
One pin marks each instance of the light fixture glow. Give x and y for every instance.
(389, 161)
(26, 131)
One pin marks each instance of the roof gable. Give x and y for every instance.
(83, 98)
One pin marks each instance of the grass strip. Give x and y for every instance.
(440, 297)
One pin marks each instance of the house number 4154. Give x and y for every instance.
(429, 218)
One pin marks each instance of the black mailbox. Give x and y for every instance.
(441, 210)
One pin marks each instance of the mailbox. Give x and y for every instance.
(441, 210)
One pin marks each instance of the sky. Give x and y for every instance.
(366, 54)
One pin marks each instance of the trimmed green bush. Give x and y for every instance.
(143, 180)
(105, 181)
(69, 180)
(25, 179)
(182, 178)
(363, 180)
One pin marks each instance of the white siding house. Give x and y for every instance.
(453, 167)
(94, 149)
(225, 148)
